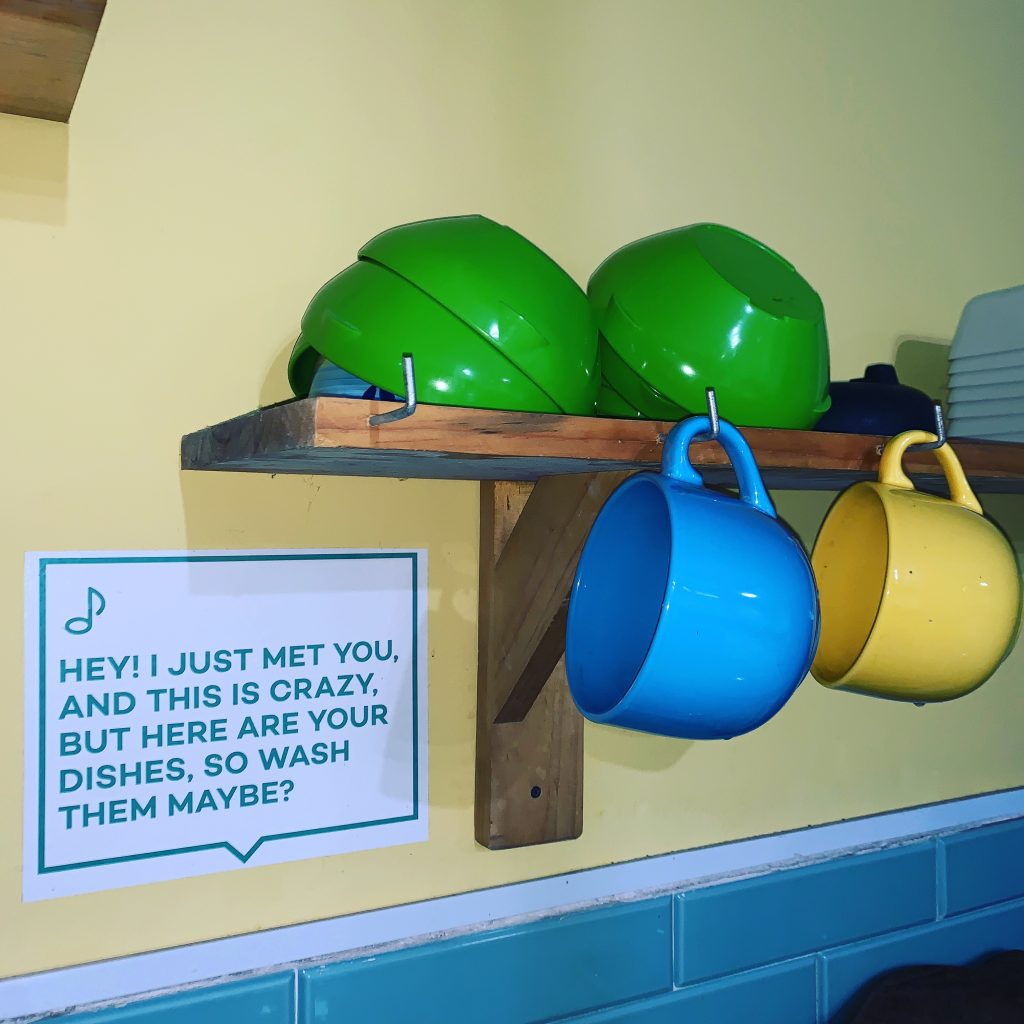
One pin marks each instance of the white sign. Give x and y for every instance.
(196, 712)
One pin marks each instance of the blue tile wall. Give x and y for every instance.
(266, 1000)
(790, 947)
(783, 994)
(956, 941)
(728, 928)
(537, 972)
(984, 866)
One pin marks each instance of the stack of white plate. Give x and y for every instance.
(986, 368)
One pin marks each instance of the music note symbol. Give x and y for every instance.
(80, 624)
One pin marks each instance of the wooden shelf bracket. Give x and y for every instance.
(530, 587)
(529, 733)
(529, 771)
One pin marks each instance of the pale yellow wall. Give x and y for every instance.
(226, 157)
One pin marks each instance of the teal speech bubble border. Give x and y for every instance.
(44, 563)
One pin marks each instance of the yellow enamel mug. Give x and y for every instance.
(920, 595)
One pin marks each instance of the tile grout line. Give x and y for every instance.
(675, 952)
(941, 881)
(820, 988)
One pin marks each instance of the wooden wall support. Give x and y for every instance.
(530, 587)
(529, 772)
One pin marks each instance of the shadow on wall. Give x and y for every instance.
(923, 363)
(1006, 512)
(803, 512)
(33, 170)
(275, 388)
(639, 751)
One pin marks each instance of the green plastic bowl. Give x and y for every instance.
(510, 293)
(649, 403)
(366, 318)
(612, 405)
(707, 306)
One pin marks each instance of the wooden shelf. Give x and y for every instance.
(546, 478)
(44, 47)
(331, 436)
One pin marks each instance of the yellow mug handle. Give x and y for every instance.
(890, 470)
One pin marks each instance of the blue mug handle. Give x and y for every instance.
(675, 462)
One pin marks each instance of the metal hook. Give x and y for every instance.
(410, 398)
(715, 432)
(940, 434)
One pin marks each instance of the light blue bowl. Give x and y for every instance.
(693, 613)
(331, 380)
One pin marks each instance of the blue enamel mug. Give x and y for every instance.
(693, 613)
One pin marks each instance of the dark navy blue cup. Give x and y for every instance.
(693, 613)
